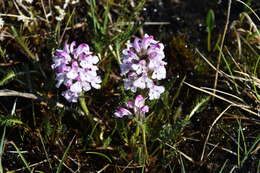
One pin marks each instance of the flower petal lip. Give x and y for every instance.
(155, 92)
(130, 104)
(66, 47)
(146, 42)
(82, 48)
(140, 83)
(76, 87)
(145, 109)
(136, 44)
(72, 74)
(139, 101)
(121, 112)
(72, 46)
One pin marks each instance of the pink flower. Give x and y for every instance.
(121, 112)
(143, 65)
(133, 107)
(76, 68)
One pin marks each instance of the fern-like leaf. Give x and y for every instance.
(24, 44)
(9, 121)
(10, 75)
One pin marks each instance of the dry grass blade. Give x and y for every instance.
(104, 168)
(222, 92)
(180, 152)
(211, 65)
(214, 145)
(249, 78)
(44, 149)
(221, 46)
(12, 93)
(227, 75)
(2, 145)
(222, 148)
(31, 166)
(212, 125)
(241, 106)
(249, 9)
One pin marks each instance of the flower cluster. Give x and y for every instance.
(143, 65)
(135, 107)
(76, 69)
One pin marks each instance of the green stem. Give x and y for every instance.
(144, 143)
(83, 105)
(137, 132)
(209, 41)
(93, 124)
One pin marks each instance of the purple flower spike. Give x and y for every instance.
(76, 68)
(133, 107)
(143, 65)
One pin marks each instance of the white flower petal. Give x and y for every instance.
(72, 74)
(139, 83)
(95, 85)
(155, 92)
(76, 87)
(86, 86)
(94, 59)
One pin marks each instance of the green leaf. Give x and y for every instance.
(64, 156)
(100, 154)
(20, 154)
